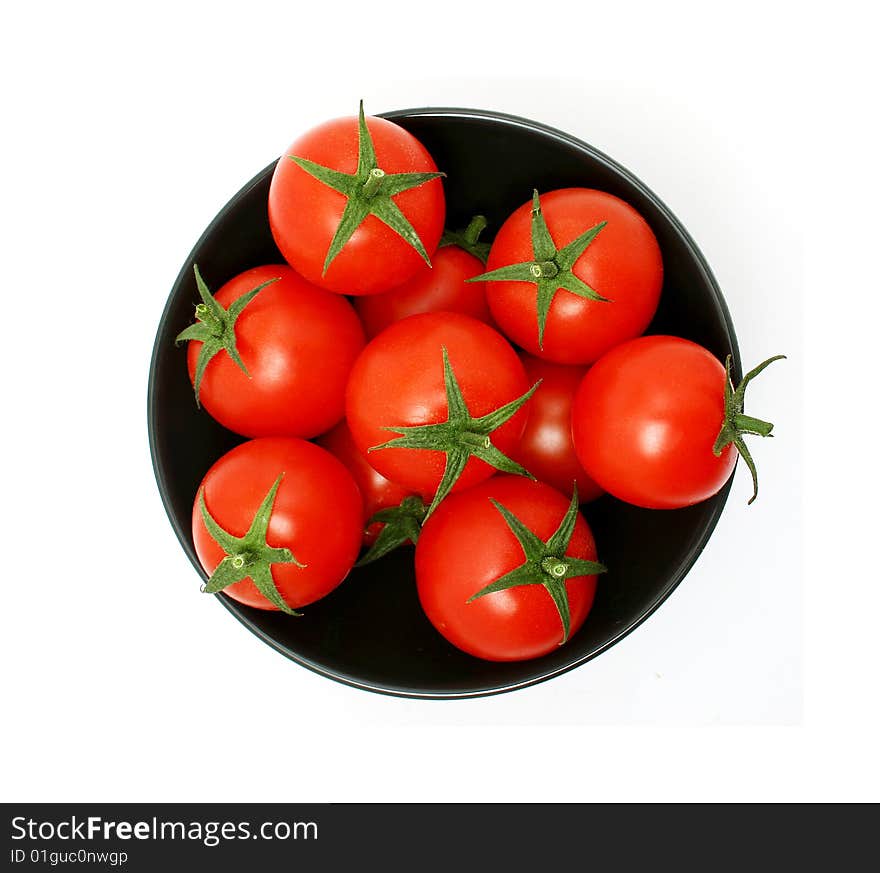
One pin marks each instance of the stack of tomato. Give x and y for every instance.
(401, 384)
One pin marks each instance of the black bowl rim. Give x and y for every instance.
(672, 583)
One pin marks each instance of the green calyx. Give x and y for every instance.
(402, 524)
(736, 423)
(546, 562)
(468, 239)
(215, 328)
(249, 555)
(461, 436)
(369, 191)
(551, 268)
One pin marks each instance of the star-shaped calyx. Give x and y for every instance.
(551, 269)
(249, 555)
(215, 328)
(401, 524)
(369, 191)
(468, 239)
(737, 423)
(461, 436)
(546, 562)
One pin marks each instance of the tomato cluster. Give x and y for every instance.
(401, 384)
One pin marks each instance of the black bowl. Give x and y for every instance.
(371, 632)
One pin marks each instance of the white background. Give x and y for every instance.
(127, 131)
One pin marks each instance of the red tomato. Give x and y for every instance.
(377, 491)
(316, 514)
(398, 381)
(441, 287)
(305, 212)
(546, 449)
(467, 544)
(646, 419)
(622, 263)
(298, 343)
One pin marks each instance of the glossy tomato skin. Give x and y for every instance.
(298, 343)
(377, 491)
(546, 449)
(317, 514)
(623, 263)
(304, 213)
(466, 544)
(398, 380)
(645, 419)
(441, 287)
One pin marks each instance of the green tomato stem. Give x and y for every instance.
(475, 440)
(374, 182)
(554, 567)
(468, 239)
(736, 423)
(544, 270)
(476, 226)
(214, 324)
(748, 424)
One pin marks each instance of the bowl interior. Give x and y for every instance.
(371, 632)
